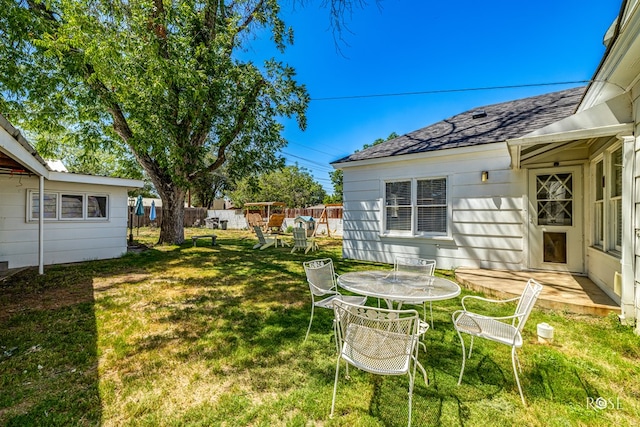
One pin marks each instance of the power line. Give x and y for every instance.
(324, 166)
(311, 148)
(430, 92)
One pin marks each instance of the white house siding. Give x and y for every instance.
(64, 241)
(602, 268)
(636, 208)
(486, 220)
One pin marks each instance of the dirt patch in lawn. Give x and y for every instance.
(22, 295)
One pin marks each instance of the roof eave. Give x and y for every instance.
(94, 179)
(18, 148)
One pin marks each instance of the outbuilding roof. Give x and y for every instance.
(482, 125)
(17, 156)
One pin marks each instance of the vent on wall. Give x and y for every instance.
(479, 114)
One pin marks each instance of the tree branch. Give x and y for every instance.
(244, 112)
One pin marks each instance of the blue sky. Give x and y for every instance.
(408, 46)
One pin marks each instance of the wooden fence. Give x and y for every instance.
(294, 213)
(191, 217)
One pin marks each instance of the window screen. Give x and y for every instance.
(71, 206)
(432, 205)
(96, 206)
(50, 205)
(398, 205)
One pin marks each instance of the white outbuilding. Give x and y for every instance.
(50, 216)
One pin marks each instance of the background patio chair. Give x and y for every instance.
(379, 341)
(321, 278)
(263, 242)
(301, 242)
(274, 225)
(417, 265)
(255, 219)
(504, 330)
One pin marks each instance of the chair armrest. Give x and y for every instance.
(456, 315)
(471, 314)
(496, 301)
(423, 327)
(318, 291)
(472, 323)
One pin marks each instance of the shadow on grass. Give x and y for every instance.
(241, 314)
(48, 352)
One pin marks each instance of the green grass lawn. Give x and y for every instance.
(213, 336)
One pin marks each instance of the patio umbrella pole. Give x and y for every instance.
(139, 211)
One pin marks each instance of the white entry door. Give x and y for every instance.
(555, 219)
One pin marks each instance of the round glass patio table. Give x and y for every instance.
(399, 286)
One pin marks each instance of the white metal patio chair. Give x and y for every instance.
(263, 242)
(302, 242)
(379, 341)
(321, 278)
(417, 265)
(504, 330)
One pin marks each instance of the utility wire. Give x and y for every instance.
(307, 160)
(310, 148)
(429, 92)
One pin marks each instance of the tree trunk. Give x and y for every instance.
(172, 225)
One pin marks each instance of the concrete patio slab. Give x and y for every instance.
(562, 291)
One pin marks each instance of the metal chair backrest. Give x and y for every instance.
(377, 340)
(527, 300)
(418, 265)
(321, 276)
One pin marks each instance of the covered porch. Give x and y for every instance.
(562, 291)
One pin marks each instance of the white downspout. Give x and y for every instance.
(629, 233)
(41, 227)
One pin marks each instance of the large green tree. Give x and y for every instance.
(158, 78)
(292, 185)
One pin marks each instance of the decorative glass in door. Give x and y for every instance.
(554, 194)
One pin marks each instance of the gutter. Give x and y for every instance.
(607, 52)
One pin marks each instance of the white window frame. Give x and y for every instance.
(35, 195)
(413, 232)
(608, 206)
(598, 204)
(106, 207)
(59, 210)
(615, 203)
(64, 199)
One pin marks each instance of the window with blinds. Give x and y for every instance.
(607, 201)
(598, 211)
(398, 205)
(431, 205)
(616, 199)
(418, 206)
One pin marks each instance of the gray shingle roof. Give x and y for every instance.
(503, 121)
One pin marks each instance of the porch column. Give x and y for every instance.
(629, 236)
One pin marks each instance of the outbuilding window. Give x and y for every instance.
(416, 207)
(69, 206)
